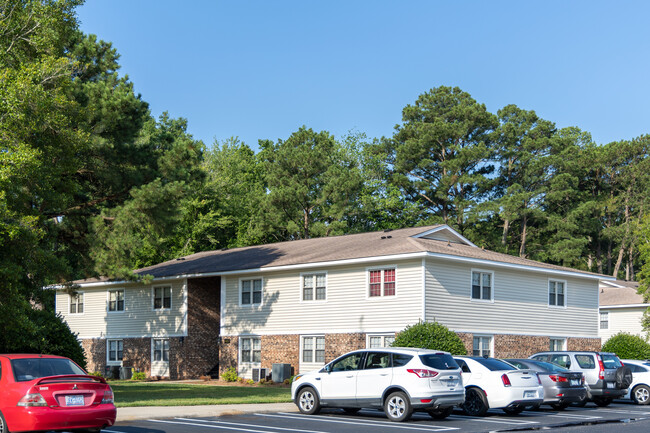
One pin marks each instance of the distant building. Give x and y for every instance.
(621, 308)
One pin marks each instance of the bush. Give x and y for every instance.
(230, 375)
(139, 375)
(430, 335)
(627, 346)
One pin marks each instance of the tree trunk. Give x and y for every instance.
(504, 237)
(599, 257)
(524, 227)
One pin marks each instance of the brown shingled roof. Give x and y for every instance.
(626, 294)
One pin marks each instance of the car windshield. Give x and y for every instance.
(610, 361)
(33, 368)
(494, 364)
(439, 361)
(550, 367)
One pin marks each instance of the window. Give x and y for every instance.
(314, 287)
(380, 340)
(557, 344)
(482, 346)
(400, 359)
(162, 298)
(251, 292)
(561, 360)
(116, 300)
(251, 349)
(313, 349)
(604, 320)
(381, 282)
(161, 349)
(348, 363)
(556, 293)
(115, 353)
(77, 303)
(377, 360)
(482, 285)
(586, 361)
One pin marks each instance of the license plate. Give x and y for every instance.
(74, 400)
(575, 382)
(530, 394)
(610, 384)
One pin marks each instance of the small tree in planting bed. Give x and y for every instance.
(430, 335)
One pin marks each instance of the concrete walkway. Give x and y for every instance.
(158, 412)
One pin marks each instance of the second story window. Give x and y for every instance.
(77, 303)
(251, 292)
(381, 282)
(482, 285)
(314, 287)
(162, 298)
(557, 293)
(116, 300)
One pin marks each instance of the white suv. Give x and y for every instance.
(399, 380)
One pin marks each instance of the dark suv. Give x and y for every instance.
(607, 378)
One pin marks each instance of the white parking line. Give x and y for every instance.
(207, 426)
(501, 421)
(633, 412)
(250, 425)
(576, 416)
(388, 424)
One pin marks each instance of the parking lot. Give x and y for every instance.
(590, 418)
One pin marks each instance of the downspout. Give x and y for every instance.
(424, 289)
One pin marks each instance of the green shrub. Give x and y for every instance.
(430, 335)
(139, 375)
(96, 374)
(627, 346)
(230, 375)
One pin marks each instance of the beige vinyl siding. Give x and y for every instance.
(520, 302)
(623, 320)
(346, 309)
(138, 318)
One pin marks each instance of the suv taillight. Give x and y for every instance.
(506, 380)
(421, 372)
(31, 400)
(601, 366)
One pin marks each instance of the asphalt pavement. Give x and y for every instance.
(161, 412)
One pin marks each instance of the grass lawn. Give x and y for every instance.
(129, 394)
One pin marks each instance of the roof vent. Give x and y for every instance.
(180, 258)
(448, 243)
(389, 237)
(383, 237)
(388, 230)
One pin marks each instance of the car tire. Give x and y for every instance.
(602, 402)
(351, 410)
(641, 394)
(308, 402)
(513, 410)
(559, 406)
(440, 413)
(398, 407)
(475, 402)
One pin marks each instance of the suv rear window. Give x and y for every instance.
(611, 362)
(439, 361)
(33, 368)
(493, 364)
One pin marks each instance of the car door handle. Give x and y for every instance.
(318, 378)
(384, 374)
(349, 376)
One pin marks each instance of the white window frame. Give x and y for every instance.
(471, 284)
(162, 353)
(115, 361)
(240, 287)
(252, 339)
(71, 300)
(604, 314)
(383, 340)
(480, 337)
(381, 287)
(153, 298)
(313, 350)
(302, 286)
(566, 293)
(561, 339)
(108, 301)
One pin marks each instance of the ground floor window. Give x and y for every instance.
(380, 340)
(313, 349)
(482, 345)
(115, 352)
(558, 344)
(161, 349)
(251, 349)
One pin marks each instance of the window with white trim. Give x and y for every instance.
(251, 291)
(314, 287)
(250, 350)
(375, 341)
(77, 303)
(313, 349)
(482, 285)
(114, 350)
(482, 345)
(604, 320)
(162, 298)
(556, 293)
(557, 344)
(115, 300)
(381, 282)
(161, 349)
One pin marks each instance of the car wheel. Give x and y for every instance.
(308, 402)
(602, 402)
(475, 403)
(398, 407)
(559, 406)
(513, 410)
(641, 394)
(351, 410)
(440, 413)
(3, 424)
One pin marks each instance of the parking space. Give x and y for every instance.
(335, 421)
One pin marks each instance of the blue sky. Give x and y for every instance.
(261, 69)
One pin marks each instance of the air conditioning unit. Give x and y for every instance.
(259, 374)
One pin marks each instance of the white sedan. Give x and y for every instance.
(639, 390)
(494, 384)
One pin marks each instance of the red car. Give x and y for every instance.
(46, 392)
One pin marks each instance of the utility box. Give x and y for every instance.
(126, 373)
(280, 372)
